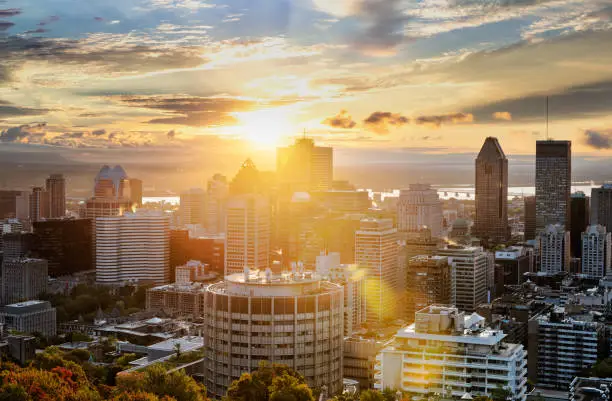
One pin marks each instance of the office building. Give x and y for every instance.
(8, 226)
(30, 317)
(112, 183)
(55, 186)
(339, 235)
(491, 222)
(596, 252)
(554, 248)
(133, 248)
(445, 352)
(194, 271)
(185, 299)
(216, 200)
(247, 233)
(23, 279)
(469, 275)
(294, 319)
(193, 207)
(18, 245)
(376, 251)
(580, 214)
(343, 201)
(136, 191)
(304, 167)
(510, 265)
(39, 204)
(561, 347)
(66, 244)
(247, 180)
(601, 206)
(419, 208)
(8, 203)
(530, 218)
(428, 282)
(553, 183)
(22, 206)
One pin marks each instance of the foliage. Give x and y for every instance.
(371, 395)
(156, 380)
(270, 381)
(289, 388)
(501, 393)
(602, 368)
(124, 360)
(482, 398)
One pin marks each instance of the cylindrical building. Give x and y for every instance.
(294, 319)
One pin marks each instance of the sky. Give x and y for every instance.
(382, 81)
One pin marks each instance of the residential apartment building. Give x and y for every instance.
(596, 252)
(554, 248)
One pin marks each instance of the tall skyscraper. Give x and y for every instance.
(8, 203)
(419, 208)
(136, 191)
(216, 201)
(428, 282)
(56, 188)
(596, 252)
(376, 251)
(39, 204)
(491, 222)
(469, 276)
(247, 233)
(305, 167)
(530, 218)
(554, 249)
(112, 183)
(601, 206)
(580, 214)
(553, 183)
(23, 279)
(193, 207)
(134, 247)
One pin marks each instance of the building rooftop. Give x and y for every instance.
(181, 287)
(26, 307)
(187, 344)
(258, 277)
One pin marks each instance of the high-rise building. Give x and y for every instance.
(247, 233)
(193, 207)
(9, 226)
(419, 208)
(17, 245)
(596, 252)
(39, 204)
(216, 200)
(30, 317)
(469, 275)
(343, 201)
(554, 246)
(376, 251)
(428, 282)
(510, 265)
(247, 180)
(136, 191)
(55, 186)
(553, 183)
(447, 353)
(295, 319)
(580, 214)
(23, 279)
(66, 244)
(134, 247)
(491, 222)
(530, 218)
(304, 167)
(112, 183)
(601, 206)
(8, 203)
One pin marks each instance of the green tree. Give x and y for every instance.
(289, 388)
(501, 393)
(247, 388)
(371, 395)
(158, 381)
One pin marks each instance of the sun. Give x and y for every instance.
(264, 128)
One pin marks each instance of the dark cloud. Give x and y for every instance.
(48, 20)
(436, 121)
(9, 110)
(99, 19)
(99, 132)
(172, 134)
(598, 139)
(380, 121)
(340, 120)
(10, 12)
(22, 133)
(4, 25)
(493, 4)
(37, 30)
(384, 22)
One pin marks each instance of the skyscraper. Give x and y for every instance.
(23, 279)
(428, 282)
(579, 210)
(134, 247)
(193, 207)
(39, 204)
(419, 208)
(376, 251)
(596, 252)
(491, 222)
(247, 233)
(305, 167)
(56, 188)
(554, 249)
(216, 200)
(553, 183)
(601, 206)
(136, 191)
(469, 276)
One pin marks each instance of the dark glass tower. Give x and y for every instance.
(579, 210)
(553, 183)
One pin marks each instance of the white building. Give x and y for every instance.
(469, 275)
(294, 319)
(419, 208)
(134, 247)
(376, 251)
(454, 355)
(596, 251)
(247, 241)
(554, 245)
(193, 271)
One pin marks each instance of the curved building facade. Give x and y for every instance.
(294, 319)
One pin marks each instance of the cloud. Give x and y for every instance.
(9, 110)
(48, 20)
(502, 115)
(384, 26)
(10, 12)
(22, 133)
(37, 30)
(341, 120)
(598, 139)
(381, 121)
(99, 19)
(436, 121)
(99, 132)
(172, 134)
(4, 25)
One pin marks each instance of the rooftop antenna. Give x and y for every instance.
(305, 135)
(547, 118)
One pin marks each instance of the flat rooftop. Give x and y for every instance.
(260, 277)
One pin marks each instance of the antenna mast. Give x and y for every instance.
(547, 118)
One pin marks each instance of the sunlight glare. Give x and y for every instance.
(264, 128)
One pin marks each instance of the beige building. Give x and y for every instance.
(305, 167)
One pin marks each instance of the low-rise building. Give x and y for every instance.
(178, 299)
(30, 317)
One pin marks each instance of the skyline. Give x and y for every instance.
(383, 82)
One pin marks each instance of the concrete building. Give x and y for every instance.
(428, 282)
(247, 233)
(294, 319)
(590, 389)
(580, 214)
(304, 167)
(553, 183)
(178, 299)
(360, 358)
(193, 207)
(216, 201)
(39, 204)
(596, 252)
(112, 183)
(491, 223)
(601, 206)
(469, 275)
(376, 251)
(8, 203)
(136, 191)
(134, 247)
(419, 208)
(561, 347)
(194, 271)
(454, 355)
(554, 247)
(23, 279)
(510, 265)
(30, 317)
(530, 218)
(55, 186)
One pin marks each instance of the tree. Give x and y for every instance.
(247, 388)
(371, 395)
(482, 398)
(289, 388)
(501, 393)
(158, 381)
